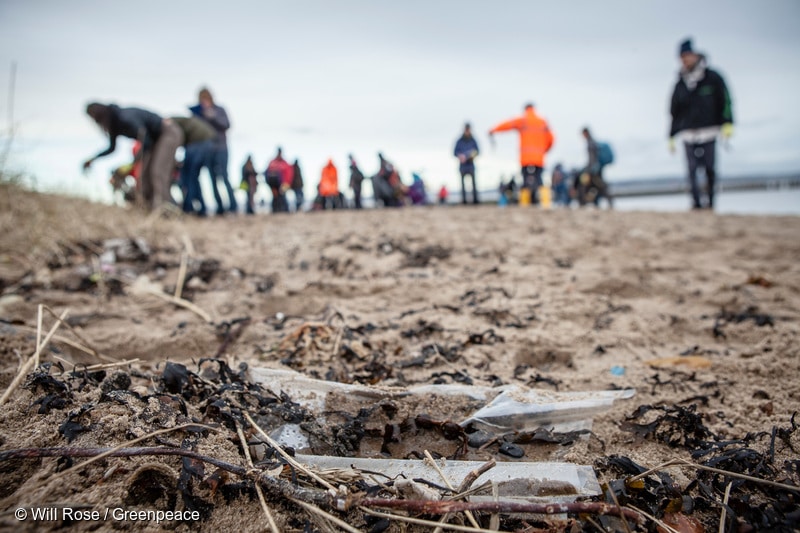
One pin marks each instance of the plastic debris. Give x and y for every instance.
(524, 481)
(509, 408)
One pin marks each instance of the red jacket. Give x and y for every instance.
(535, 137)
(329, 183)
(283, 169)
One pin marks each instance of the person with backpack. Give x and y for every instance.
(701, 111)
(278, 177)
(593, 186)
(535, 140)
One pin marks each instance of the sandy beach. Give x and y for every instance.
(699, 313)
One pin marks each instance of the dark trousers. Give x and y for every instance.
(298, 199)
(279, 203)
(532, 180)
(701, 155)
(471, 174)
(357, 196)
(218, 166)
(196, 155)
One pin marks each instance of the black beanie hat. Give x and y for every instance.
(686, 47)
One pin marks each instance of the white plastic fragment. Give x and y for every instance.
(521, 481)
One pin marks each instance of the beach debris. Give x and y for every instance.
(509, 407)
(691, 361)
(516, 481)
(759, 280)
(751, 313)
(617, 370)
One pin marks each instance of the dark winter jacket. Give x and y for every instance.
(218, 118)
(468, 147)
(356, 177)
(135, 123)
(708, 104)
(297, 178)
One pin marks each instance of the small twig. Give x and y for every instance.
(181, 274)
(446, 506)
(432, 462)
(264, 506)
(99, 366)
(38, 334)
(685, 463)
(724, 508)
(494, 519)
(90, 350)
(187, 243)
(25, 368)
(126, 444)
(276, 486)
(289, 459)
(327, 516)
(616, 502)
(421, 522)
(664, 525)
(186, 304)
(73, 344)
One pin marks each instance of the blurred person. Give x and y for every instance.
(198, 142)
(356, 179)
(600, 155)
(560, 186)
(701, 111)
(416, 191)
(279, 176)
(443, 195)
(384, 183)
(535, 140)
(466, 151)
(160, 139)
(250, 184)
(218, 164)
(329, 186)
(297, 186)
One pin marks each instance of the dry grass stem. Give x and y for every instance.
(99, 366)
(327, 516)
(289, 459)
(186, 304)
(689, 464)
(724, 508)
(38, 333)
(87, 346)
(261, 499)
(25, 368)
(432, 462)
(660, 523)
(421, 522)
(181, 275)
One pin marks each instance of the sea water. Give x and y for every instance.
(757, 202)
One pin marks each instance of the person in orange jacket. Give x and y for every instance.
(535, 140)
(329, 186)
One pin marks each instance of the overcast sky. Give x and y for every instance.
(322, 79)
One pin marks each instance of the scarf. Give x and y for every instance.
(692, 77)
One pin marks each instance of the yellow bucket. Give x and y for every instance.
(545, 197)
(525, 197)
